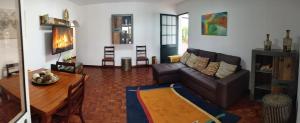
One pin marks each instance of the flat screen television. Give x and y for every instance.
(62, 39)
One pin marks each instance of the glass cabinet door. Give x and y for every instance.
(122, 29)
(12, 89)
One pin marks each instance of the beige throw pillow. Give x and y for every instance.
(185, 57)
(225, 70)
(211, 69)
(191, 61)
(201, 63)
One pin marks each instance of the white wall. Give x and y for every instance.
(37, 39)
(8, 47)
(9, 54)
(248, 23)
(95, 31)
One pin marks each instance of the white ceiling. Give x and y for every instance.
(86, 2)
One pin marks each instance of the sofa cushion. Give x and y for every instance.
(201, 63)
(211, 55)
(225, 70)
(192, 50)
(167, 68)
(205, 81)
(185, 57)
(211, 69)
(192, 60)
(228, 59)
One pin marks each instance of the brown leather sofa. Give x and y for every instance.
(223, 92)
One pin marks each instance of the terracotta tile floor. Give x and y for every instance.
(105, 96)
(105, 93)
(8, 109)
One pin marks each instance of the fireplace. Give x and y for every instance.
(62, 39)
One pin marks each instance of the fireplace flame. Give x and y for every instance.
(62, 39)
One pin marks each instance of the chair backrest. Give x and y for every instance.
(66, 67)
(109, 52)
(141, 51)
(76, 96)
(12, 69)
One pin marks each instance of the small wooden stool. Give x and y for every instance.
(126, 63)
(276, 108)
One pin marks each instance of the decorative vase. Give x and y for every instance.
(268, 43)
(66, 15)
(287, 42)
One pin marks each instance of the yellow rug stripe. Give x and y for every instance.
(212, 117)
(165, 105)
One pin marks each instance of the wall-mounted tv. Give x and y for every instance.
(62, 39)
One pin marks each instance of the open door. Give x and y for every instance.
(168, 36)
(12, 108)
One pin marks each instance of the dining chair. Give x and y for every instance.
(12, 69)
(74, 103)
(141, 55)
(3, 95)
(109, 55)
(64, 67)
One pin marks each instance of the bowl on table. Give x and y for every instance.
(44, 78)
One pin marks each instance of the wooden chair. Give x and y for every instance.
(109, 55)
(141, 55)
(64, 67)
(12, 69)
(74, 103)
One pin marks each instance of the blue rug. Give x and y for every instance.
(136, 114)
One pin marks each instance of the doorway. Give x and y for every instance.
(168, 36)
(173, 35)
(183, 31)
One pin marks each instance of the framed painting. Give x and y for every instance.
(214, 24)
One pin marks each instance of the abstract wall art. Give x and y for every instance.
(214, 24)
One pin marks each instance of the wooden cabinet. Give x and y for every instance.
(274, 71)
(122, 29)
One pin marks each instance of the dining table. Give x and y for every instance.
(45, 100)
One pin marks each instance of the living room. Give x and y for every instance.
(252, 38)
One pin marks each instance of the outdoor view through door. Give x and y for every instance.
(183, 33)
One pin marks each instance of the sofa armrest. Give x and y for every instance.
(232, 87)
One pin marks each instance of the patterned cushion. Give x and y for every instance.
(185, 57)
(211, 69)
(225, 70)
(201, 63)
(192, 60)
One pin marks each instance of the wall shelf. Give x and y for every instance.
(50, 21)
(266, 87)
(266, 72)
